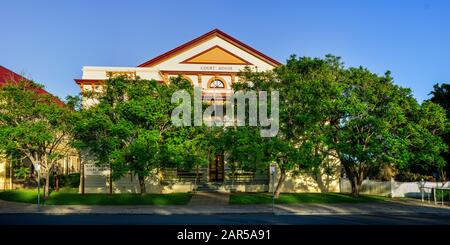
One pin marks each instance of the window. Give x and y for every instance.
(216, 83)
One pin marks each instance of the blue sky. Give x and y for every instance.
(50, 41)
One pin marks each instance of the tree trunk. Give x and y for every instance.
(233, 176)
(56, 183)
(280, 182)
(355, 187)
(355, 175)
(11, 182)
(317, 176)
(142, 184)
(82, 174)
(110, 180)
(356, 182)
(47, 185)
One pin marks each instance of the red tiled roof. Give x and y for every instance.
(7, 75)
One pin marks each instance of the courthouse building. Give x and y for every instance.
(210, 62)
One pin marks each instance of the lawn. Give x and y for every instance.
(70, 196)
(292, 198)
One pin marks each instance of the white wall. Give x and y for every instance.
(392, 188)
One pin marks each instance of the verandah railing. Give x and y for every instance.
(200, 175)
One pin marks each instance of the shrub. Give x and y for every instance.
(66, 180)
(439, 193)
(412, 177)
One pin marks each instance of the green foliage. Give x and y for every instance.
(244, 148)
(70, 196)
(61, 198)
(363, 119)
(442, 195)
(441, 96)
(309, 91)
(22, 195)
(130, 128)
(33, 125)
(21, 172)
(408, 176)
(66, 180)
(302, 198)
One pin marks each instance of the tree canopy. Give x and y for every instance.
(129, 128)
(34, 125)
(441, 96)
(364, 120)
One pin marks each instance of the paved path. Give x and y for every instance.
(376, 208)
(210, 199)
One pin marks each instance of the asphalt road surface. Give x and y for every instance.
(257, 219)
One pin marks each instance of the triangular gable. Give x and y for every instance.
(206, 37)
(216, 55)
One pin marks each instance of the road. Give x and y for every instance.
(235, 219)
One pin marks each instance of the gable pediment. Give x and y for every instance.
(216, 48)
(216, 55)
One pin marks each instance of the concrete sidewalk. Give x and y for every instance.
(388, 208)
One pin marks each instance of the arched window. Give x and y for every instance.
(216, 83)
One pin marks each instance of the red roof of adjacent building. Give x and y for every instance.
(7, 75)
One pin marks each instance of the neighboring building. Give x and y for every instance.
(210, 62)
(69, 164)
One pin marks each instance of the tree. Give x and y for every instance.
(245, 149)
(312, 89)
(130, 128)
(363, 120)
(380, 123)
(441, 96)
(307, 88)
(35, 125)
(310, 92)
(428, 146)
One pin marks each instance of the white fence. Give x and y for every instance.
(393, 188)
